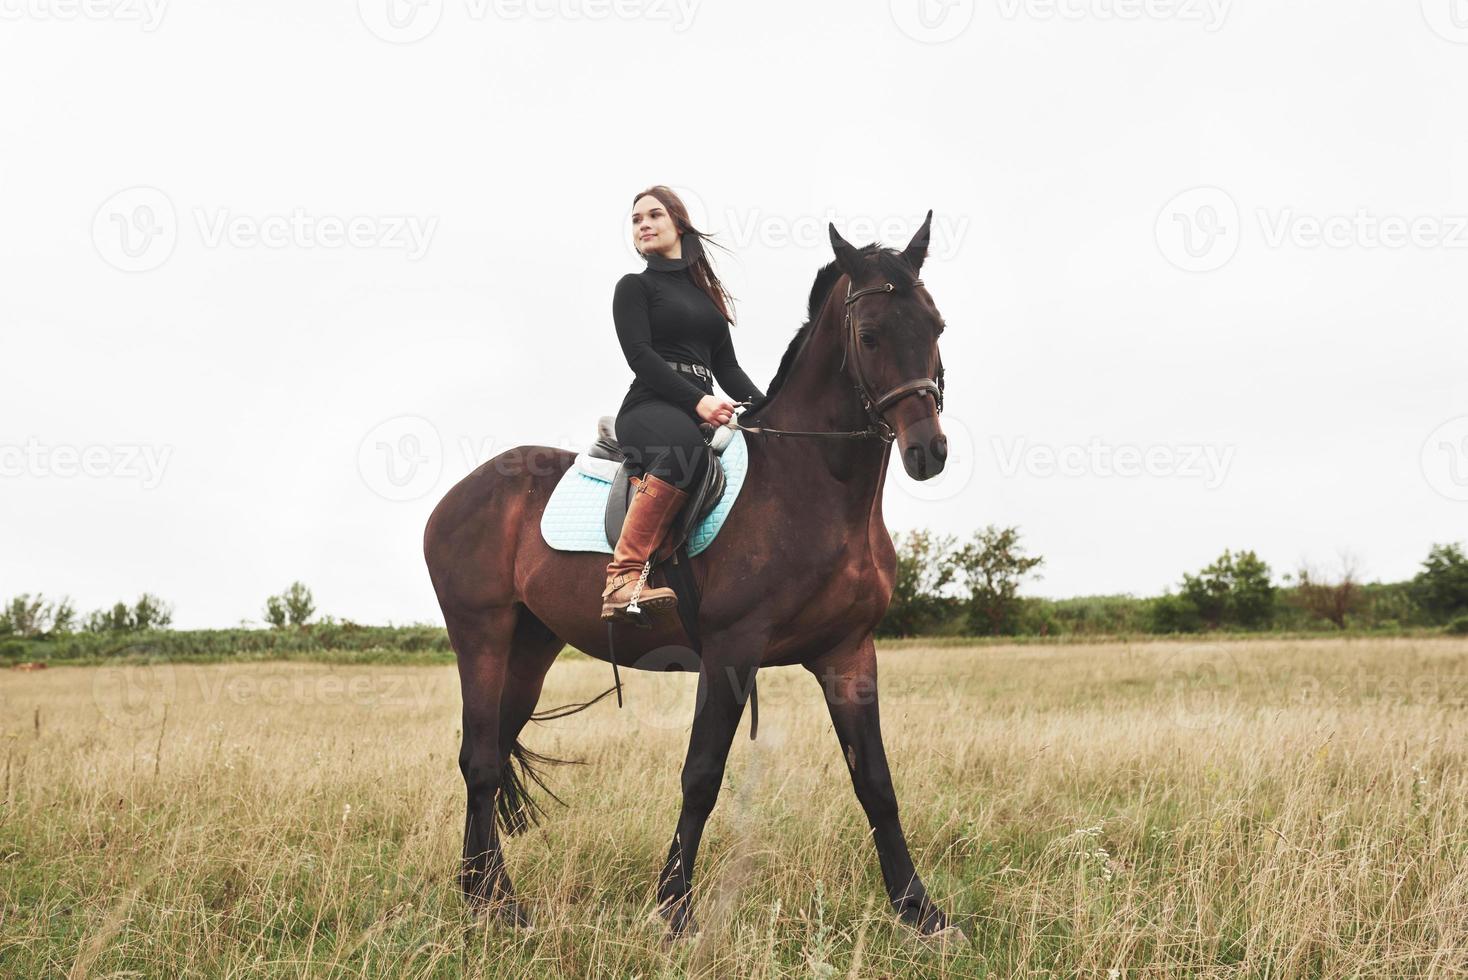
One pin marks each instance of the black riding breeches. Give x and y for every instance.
(660, 438)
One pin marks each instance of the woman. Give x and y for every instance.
(673, 324)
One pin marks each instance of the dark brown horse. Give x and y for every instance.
(801, 573)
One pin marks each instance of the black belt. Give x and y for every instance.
(686, 368)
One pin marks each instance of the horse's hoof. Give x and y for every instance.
(509, 913)
(930, 923)
(679, 921)
(946, 937)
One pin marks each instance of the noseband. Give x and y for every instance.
(877, 427)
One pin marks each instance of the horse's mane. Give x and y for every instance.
(889, 262)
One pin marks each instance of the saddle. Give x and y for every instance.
(702, 497)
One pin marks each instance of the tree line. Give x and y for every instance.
(30, 617)
(972, 588)
(943, 587)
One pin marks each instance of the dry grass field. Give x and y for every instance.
(1248, 809)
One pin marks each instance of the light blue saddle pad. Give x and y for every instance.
(575, 517)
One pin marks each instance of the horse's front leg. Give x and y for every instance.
(848, 678)
(724, 683)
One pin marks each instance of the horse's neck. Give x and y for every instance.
(818, 396)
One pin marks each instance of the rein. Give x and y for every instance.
(878, 426)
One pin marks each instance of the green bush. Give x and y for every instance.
(990, 568)
(1233, 591)
(358, 642)
(1174, 614)
(148, 613)
(1441, 588)
(15, 650)
(293, 607)
(1459, 626)
(925, 569)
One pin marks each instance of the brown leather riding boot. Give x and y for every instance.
(655, 503)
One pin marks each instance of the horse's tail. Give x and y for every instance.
(516, 808)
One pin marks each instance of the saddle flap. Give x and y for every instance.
(576, 516)
(699, 505)
(618, 499)
(702, 499)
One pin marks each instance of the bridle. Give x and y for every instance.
(877, 426)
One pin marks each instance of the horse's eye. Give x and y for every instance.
(868, 339)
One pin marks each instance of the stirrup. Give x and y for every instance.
(632, 607)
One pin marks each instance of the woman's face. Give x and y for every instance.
(653, 229)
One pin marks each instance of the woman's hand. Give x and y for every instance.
(712, 408)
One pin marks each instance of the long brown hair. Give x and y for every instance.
(702, 271)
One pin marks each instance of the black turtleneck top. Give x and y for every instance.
(662, 315)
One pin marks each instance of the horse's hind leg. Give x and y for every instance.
(483, 642)
(534, 650)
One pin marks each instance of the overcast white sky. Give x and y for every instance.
(270, 267)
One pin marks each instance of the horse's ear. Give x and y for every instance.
(846, 258)
(917, 249)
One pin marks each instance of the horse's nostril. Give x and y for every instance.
(940, 448)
